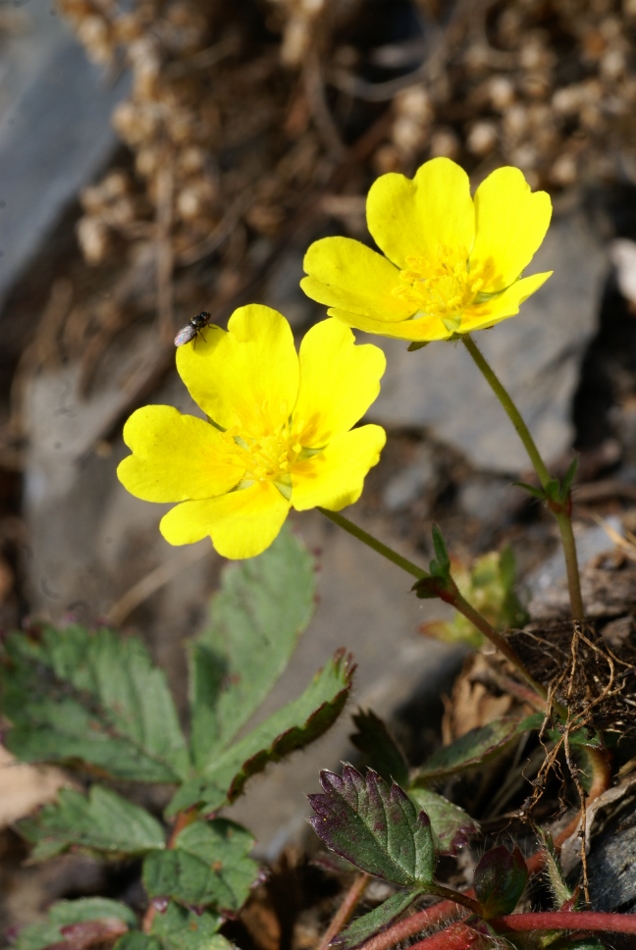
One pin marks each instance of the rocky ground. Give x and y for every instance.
(85, 329)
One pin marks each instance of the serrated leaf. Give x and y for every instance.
(452, 826)
(383, 752)
(499, 881)
(291, 728)
(104, 913)
(469, 751)
(375, 827)
(376, 920)
(102, 821)
(93, 699)
(180, 929)
(256, 618)
(208, 865)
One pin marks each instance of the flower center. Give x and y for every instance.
(444, 286)
(270, 457)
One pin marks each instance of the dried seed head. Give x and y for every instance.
(482, 138)
(444, 143)
(501, 92)
(92, 235)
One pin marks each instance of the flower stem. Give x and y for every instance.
(478, 620)
(373, 543)
(452, 596)
(563, 516)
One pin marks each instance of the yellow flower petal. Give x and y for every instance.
(421, 329)
(338, 382)
(507, 305)
(345, 273)
(335, 477)
(246, 377)
(177, 457)
(414, 218)
(511, 224)
(241, 524)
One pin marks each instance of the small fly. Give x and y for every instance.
(192, 328)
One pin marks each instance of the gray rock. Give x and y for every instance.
(418, 477)
(537, 355)
(55, 132)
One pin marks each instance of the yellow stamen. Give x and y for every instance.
(445, 286)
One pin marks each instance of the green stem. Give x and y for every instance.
(454, 598)
(478, 620)
(373, 543)
(563, 517)
(572, 565)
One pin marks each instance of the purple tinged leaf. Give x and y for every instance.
(500, 878)
(375, 827)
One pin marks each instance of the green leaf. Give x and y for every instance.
(469, 751)
(375, 827)
(102, 822)
(66, 917)
(452, 826)
(568, 478)
(137, 941)
(499, 881)
(376, 920)
(488, 585)
(383, 752)
(561, 892)
(207, 866)
(180, 929)
(256, 618)
(292, 727)
(442, 560)
(90, 699)
(531, 489)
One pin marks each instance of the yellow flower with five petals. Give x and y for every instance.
(452, 264)
(278, 432)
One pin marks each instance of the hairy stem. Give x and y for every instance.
(346, 910)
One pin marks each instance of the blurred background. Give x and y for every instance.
(163, 157)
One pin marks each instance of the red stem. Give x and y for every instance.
(424, 919)
(455, 937)
(566, 920)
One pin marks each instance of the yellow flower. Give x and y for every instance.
(279, 432)
(452, 265)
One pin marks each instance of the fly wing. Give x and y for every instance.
(185, 334)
